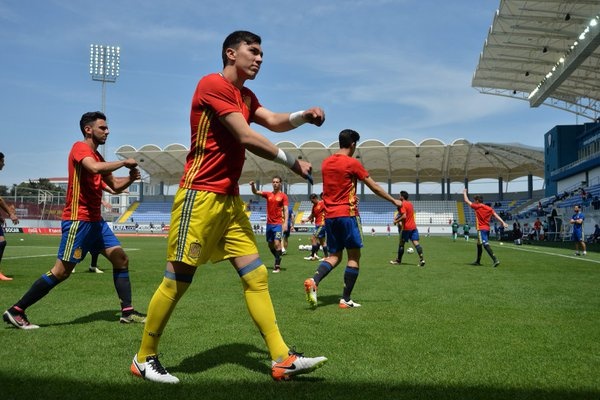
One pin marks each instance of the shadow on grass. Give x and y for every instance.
(17, 387)
(244, 355)
(104, 315)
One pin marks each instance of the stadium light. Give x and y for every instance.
(104, 67)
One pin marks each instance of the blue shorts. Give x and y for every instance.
(577, 235)
(343, 233)
(82, 237)
(320, 232)
(409, 236)
(274, 232)
(483, 236)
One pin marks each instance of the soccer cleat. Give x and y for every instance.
(18, 320)
(96, 270)
(152, 370)
(134, 316)
(577, 253)
(4, 277)
(395, 262)
(348, 304)
(421, 263)
(475, 263)
(311, 291)
(276, 270)
(295, 364)
(496, 263)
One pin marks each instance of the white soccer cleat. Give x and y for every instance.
(152, 370)
(348, 304)
(295, 364)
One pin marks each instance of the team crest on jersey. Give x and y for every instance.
(77, 253)
(195, 249)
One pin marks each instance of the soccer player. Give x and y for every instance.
(83, 229)
(466, 231)
(341, 172)
(405, 219)
(13, 217)
(454, 230)
(277, 218)
(209, 222)
(577, 235)
(286, 233)
(319, 237)
(483, 214)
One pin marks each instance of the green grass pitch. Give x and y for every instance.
(529, 329)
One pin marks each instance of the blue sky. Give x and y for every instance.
(386, 68)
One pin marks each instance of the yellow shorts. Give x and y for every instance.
(208, 226)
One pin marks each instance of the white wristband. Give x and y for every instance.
(296, 118)
(284, 158)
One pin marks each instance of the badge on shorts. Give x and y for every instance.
(195, 250)
(77, 253)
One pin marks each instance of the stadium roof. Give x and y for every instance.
(545, 52)
(401, 160)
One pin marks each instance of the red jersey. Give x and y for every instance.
(215, 160)
(318, 213)
(409, 223)
(483, 213)
(84, 193)
(275, 204)
(340, 175)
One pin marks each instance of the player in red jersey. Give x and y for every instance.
(483, 214)
(407, 226)
(319, 237)
(209, 220)
(341, 172)
(83, 229)
(277, 218)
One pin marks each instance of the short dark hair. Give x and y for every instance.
(1, 155)
(234, 39)
(277, 177)
(404, 194)
(313, 196)
(347, 137)
(88, 118)
(478, 198)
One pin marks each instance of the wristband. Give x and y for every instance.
(284, 158)
(297, 119)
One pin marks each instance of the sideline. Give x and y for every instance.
(533, 250)
(50, 255)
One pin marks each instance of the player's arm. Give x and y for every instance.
(253, 188)
(284, 226)
(283, 122)
(466, 197)
(378, 190)
(9, 210)
(106, 167)
(504, 224)
(119, 184)
(261, 146)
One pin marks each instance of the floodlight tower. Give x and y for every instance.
(104, 67)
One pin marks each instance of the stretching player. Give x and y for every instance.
(405, 219)
(319, 236)
(483, 214)
(341, 172)
(209, 221)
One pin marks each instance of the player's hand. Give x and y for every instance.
(134, 174)
(130, 163)
(314, 115)
(251, 183)
(302, 168)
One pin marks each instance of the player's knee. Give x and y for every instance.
(2, 245)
